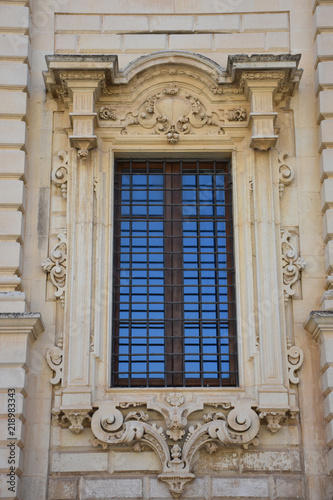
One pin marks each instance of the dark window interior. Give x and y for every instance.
(174, 297)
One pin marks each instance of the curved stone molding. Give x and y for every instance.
(55, 266)
(237, 427)
(54, 358)
(295, 361)
(286, 172)
(59, 173)
(172, 113)
(292, 264)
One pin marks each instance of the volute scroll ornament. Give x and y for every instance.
(238, 427)
(55, 266)
(59, 173)
(292, 264)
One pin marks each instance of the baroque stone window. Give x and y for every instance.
(174, 300)
(181, 108)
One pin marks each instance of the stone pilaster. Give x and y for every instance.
(320, 326)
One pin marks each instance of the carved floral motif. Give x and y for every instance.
(237, 115)
(292, 264)
(172, 113)
(107, 113)
(76, 420)
(59, 173)
(55, 266)
(238, 428)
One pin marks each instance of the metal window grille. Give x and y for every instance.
(174, 297)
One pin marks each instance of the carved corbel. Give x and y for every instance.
(273, 419)
(76, 420)
(239, 427)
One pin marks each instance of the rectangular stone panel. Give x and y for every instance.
(94, 44)
(62, 488)
(143, 43)
(93, 489)
(11, 226)
(265, 22)
(77, 23)
(225, 23)
(289, 487)
(324, 76)
(326, 163)
(237, 487)
(323, 47)
(80, 462)
(123, 24)
(14, 17)
(14, 46)
(11, 194)
(11, 257)
(324, 105)
(13, 104)
(323, 18)
(270, 461)
(12, 133)
(237, 42)
(325, 134)
(195, 42)
(14, 75)
(327, 381)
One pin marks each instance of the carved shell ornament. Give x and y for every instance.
(172, 113)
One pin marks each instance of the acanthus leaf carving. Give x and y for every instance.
(172, 113)
(237, 115)
(295, 361)
(76, 420)
(59, 173)
(239, 427)
(273, 419)
(55, 266)
(292, 264)
(107, 113)
(286, 172)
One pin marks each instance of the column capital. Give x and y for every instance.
(266, 79)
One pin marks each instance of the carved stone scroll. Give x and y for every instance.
(286, 172)
(173, 113)
(59, 173)
(295, 361)
(238, 427)
(54, 358)
(292, 264)
(55, 266)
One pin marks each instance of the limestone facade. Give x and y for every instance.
(85, 83)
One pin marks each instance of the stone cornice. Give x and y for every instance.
(24, 323)
(319, 322)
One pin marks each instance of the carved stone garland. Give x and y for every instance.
(55, 266)
(239, 427)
